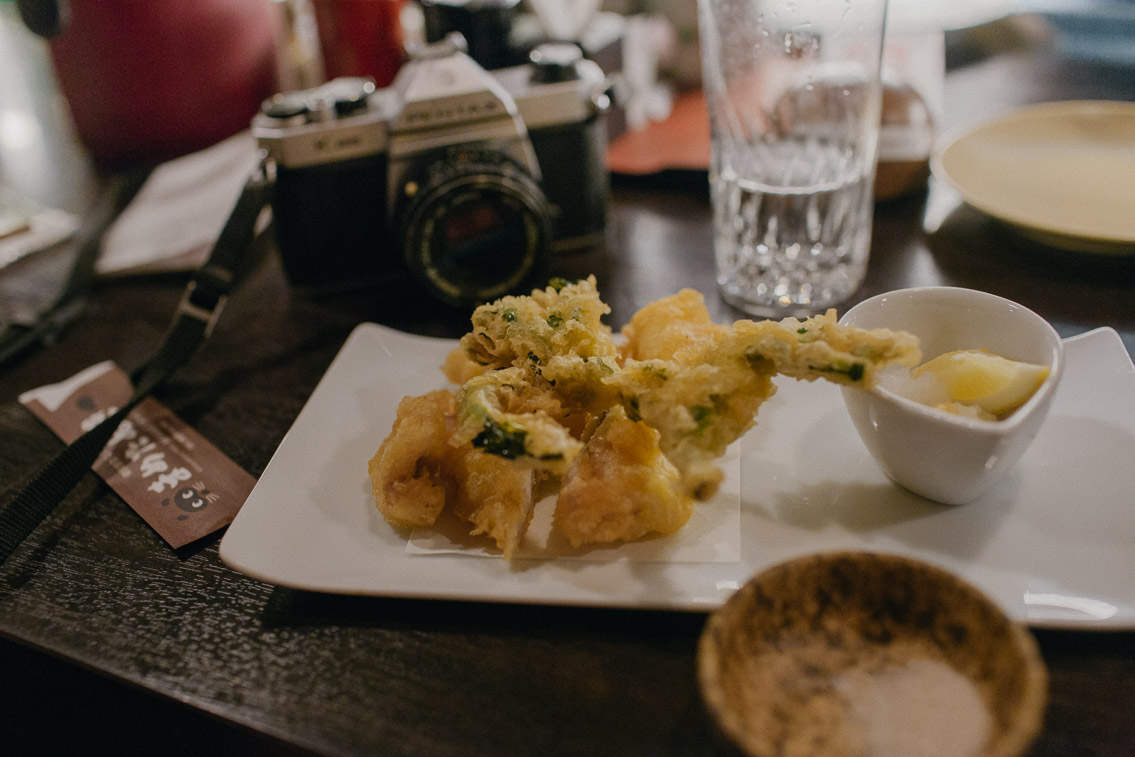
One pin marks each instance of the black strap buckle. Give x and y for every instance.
(208, 314)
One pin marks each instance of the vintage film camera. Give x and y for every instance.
(468, 180)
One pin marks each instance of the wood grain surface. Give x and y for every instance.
(112, 643)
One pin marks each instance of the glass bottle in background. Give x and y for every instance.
(299, 58)
(360, 38)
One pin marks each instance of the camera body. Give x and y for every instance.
(469, 180)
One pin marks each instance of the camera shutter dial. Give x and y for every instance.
(554, 62)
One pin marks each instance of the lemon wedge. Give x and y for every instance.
(983, 379)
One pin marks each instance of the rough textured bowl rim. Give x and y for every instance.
(1009, 739)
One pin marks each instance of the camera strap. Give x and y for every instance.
(193, 321)
(67, 304)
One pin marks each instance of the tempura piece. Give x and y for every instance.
(634, 432)
(523, 332)
(502, 413)
(676, 328)
(820, 347)
(495, 494)
(459, 367)
(545, 356)
(701, 409)
(698, 410)
(620, 487)
(699, 406)
(406, 471)
(417, 472)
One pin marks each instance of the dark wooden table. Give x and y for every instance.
(111, 643)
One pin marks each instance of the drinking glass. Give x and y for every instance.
(793, 92)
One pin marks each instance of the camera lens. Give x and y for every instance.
(476, 225)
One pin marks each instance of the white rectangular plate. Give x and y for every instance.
(1052, 544)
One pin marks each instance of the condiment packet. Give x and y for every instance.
(173, 477)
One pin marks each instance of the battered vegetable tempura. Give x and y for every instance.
(634, 430)
(620, 486)
(417, 471)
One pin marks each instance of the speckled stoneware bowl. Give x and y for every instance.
(857, 653)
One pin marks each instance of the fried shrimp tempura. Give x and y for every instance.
(635, 431)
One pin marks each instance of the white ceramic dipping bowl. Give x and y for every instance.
(941, 456)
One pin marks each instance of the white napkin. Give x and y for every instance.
(26, 227)
(175, 218)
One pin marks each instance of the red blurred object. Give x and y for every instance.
(360, 38)
(148, 80)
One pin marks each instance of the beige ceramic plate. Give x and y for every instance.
(859, 653)
(1062, 173)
